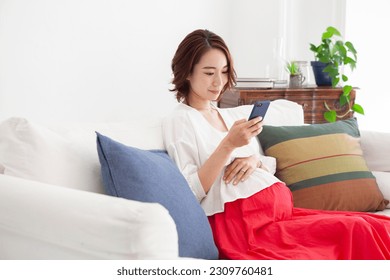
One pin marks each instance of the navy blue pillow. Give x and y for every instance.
(151, 176)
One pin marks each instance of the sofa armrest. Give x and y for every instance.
(41, 221)
(376, 150)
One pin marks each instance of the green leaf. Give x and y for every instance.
(333, 30)
(293, 68)
(335, 81)
(351, 48)
(326, 35)
(352, 65)
(330, 116)
(347, 89)
(344, 99)
(358, 109)
(313, 48)
(349, 60)
(331, 69)
(336, 60)
(342, 50)
(323, 58)
(345, 78)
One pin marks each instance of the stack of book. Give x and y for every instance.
(255, 83)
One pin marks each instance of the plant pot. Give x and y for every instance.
(322, 78)
(296, 81)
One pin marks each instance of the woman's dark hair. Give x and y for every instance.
(189, 53)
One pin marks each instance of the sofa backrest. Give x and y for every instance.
(65, 154)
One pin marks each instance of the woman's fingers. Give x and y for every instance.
(231, 171)
(257, 126)
(255, 121)
(243, 131)
(242, 175)
(239, 170)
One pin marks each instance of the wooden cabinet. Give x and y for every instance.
(311, 99)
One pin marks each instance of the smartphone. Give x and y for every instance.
(259, 109)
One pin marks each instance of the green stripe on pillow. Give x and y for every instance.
(331, 179)
(282, 134)
(323, 165)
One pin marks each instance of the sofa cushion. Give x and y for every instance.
(383, 180)
(151, 176)
(64, 154)
(32, 151)
(280, 112)
(376, 148)
(323, 165)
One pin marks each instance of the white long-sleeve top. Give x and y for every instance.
(190, 140)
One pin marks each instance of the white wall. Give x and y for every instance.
(268, 33)
(255, 34)
(93, 60)
(367, 26)
(307, 20)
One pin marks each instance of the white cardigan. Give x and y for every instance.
(190, 140)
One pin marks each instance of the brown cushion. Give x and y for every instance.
(323, 165)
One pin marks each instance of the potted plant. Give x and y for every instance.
(296, 77)
(330, 56)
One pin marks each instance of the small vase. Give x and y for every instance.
(296, 81)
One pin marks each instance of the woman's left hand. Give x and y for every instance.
(240, 169)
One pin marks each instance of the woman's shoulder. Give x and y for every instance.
(179, 116)
(178, 125)
(179, 109)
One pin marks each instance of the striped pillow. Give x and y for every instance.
(323, 165)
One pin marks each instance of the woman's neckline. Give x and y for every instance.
(214, 108)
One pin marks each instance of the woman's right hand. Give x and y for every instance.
(239, 135)
(242, 132)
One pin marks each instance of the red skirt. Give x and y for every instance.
(267, 226)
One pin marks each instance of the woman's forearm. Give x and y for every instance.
(215, 164)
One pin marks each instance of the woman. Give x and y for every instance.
(250, 211)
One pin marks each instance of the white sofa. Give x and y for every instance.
(52, 201)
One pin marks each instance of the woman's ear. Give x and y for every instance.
(189, 77)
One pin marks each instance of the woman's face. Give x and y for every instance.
(209, 76)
